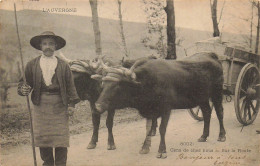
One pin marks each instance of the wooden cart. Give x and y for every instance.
(241, 79)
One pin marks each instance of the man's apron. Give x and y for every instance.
(51, 122)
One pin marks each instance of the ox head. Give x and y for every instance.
(119, 86)
(87, 88)
(88, 78)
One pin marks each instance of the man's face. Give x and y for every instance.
(48, 46)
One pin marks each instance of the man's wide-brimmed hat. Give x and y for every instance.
(36, 40)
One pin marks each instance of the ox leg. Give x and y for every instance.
(206, 112)
(95, 121)
(109, 123)
(154, 126)
(219, 111)
(147, 142)
(217, 102)
(164, 122)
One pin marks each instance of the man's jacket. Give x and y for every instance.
(34, 78)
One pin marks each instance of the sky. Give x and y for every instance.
(194, 14)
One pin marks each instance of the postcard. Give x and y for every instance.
(130, 82)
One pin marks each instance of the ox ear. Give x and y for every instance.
(97, 77)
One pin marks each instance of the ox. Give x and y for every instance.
(155, 87)
(90, 89)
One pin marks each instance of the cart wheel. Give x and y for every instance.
(246, 95)
(196, 112)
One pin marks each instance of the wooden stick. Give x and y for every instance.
(24, 79)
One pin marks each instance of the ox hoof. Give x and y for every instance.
(162, 155)
(91, 145)
(222, 138)
(111, 147)
(144, 151)
(153, 132)
(202, 139)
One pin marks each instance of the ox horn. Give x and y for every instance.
(95, 63)
(111, 69)
(96, 77)
(103, 64)
(62, 56)
(130, 72)
(84, 64)
(109, 78)
(98, 65)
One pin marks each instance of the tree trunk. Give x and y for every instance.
(171, 36)
(251, 28)
(122, 27)
(93, 4)
(258, 26)
(214, 17)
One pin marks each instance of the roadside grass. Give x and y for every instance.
(15, 125)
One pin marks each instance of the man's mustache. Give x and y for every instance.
(48, 49)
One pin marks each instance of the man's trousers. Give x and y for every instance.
(60, 156)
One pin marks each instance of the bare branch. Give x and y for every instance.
(251, 27)
(122, 28)
(221, 11)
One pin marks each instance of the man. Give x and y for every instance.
(53, 96)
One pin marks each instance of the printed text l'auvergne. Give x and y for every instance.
(59, 10)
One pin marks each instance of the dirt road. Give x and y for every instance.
(240, 148)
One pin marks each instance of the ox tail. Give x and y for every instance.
(217, 89)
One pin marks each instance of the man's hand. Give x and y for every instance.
(71, 111)
(25, 90)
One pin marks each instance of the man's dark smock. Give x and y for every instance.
(50, 115)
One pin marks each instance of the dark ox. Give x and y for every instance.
(155, 87)
(90, 89)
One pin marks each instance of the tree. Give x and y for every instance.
(255, 4)
(251, 27)
(213, 7)
(93, 4)
(122, 27)
(258, 26)
(155, 38)
(214, 16)
(157, 14)
(248, 37)
(171, 47)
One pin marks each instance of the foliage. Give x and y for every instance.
(250, 21)
(4, 86)
(155, 37)
(15, 126)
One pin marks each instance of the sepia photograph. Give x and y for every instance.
(129, 82)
